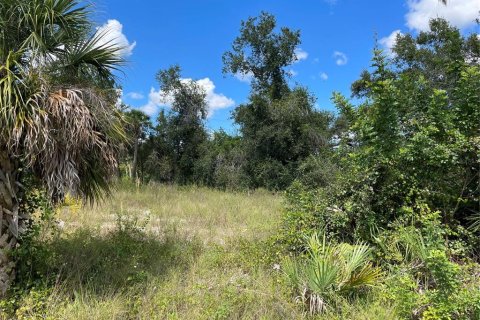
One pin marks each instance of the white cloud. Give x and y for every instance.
(301, 54)
(135, 95)
(461, 13)
(113, 34)
(244, 77)
(156, 99)
(323, 76)
(215, 101)
(389, 42)
(341, 58)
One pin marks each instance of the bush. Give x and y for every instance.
(425, 282)
(330, 271)
(439, 289)
(318, 171)
(306, 213)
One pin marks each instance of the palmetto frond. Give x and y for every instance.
(77, 149)
(475, 222)
(57, 94)
(91, 55)
(329, 270)
(58, 114)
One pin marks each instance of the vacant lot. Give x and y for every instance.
(160, 252)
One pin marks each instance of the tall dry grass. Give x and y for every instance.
(164, 252)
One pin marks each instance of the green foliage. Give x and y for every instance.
(318, 171)
(424, 282)
(309, 210)
(138, 125)
(409, 143)
(58, 94)
(177, 141)
(277, 135)
(222, 164)
(407, 182)
(264, 54)
(329, 271)
(279, 126)
(438, 289)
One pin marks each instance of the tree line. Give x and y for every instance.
(279, 127)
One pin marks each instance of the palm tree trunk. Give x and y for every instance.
(9, 218)
(135, 159)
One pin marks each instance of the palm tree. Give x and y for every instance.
(138, 124)
(58, 119)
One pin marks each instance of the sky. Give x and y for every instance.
(337, 40)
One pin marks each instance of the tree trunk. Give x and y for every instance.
(135, 159)
(9, 218)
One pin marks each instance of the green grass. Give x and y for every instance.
(163, 252)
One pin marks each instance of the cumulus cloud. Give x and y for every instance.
(389, 42)
(341, 58)
(461, 13)
(135, 95)
(323, 76)
(215, 101)
(301, 54)
(156, 99)
(113, 34)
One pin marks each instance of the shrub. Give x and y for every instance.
(425, 282)
(330, 271)
(318, 171)
(306, 212)
(439, 289)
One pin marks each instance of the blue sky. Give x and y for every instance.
(337, 41)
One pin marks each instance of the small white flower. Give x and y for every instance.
(61, 224)
(276, 266)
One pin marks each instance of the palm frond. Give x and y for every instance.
(103, 56)
(57, 95)
(322, 276)
(475, 222)
(329, 270)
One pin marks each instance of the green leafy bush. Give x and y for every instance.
(306, 212)
(425, 283)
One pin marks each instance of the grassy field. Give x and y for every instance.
(162, 252)
(209, 215)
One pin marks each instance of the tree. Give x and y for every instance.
(416, 134)
(222, 162)
(260, 52)
(280, 126)
(138, 123)
(185, 123)
(58, 119)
